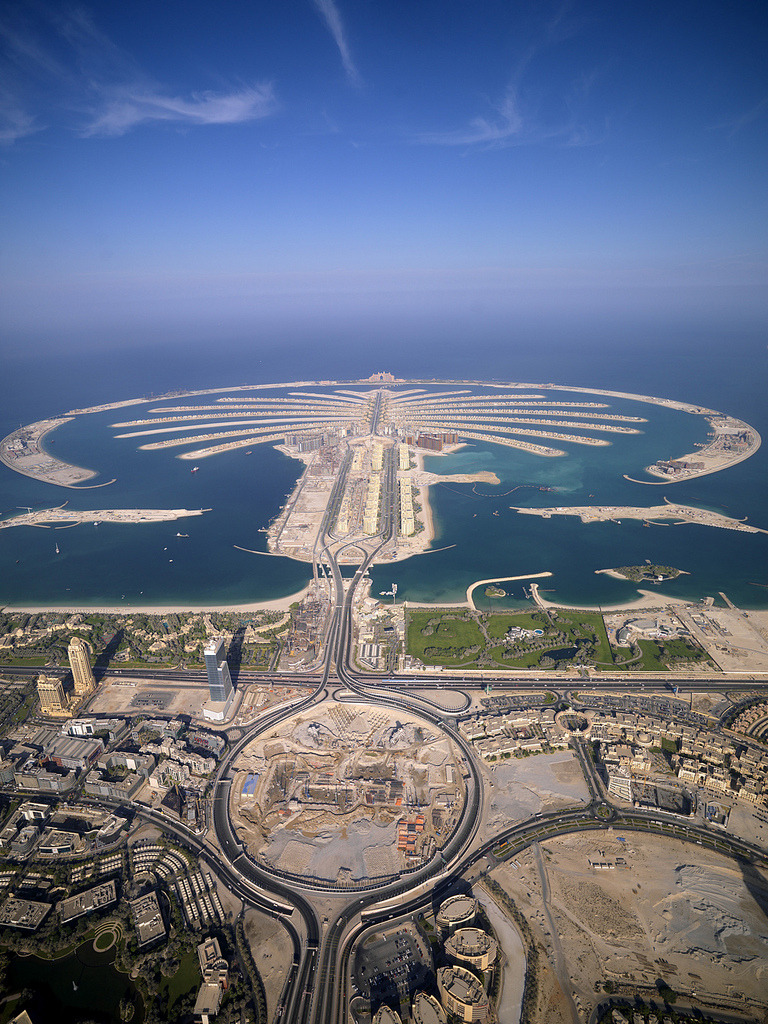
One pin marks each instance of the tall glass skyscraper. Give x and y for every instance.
(219, 679)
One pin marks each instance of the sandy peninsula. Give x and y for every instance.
(296, 530)
(23, 452)
(732, 442)
(681, 514)
(62, 517)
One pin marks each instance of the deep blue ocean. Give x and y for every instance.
(131, 565)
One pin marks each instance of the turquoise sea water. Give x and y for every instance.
(148, 564)
(491, 540)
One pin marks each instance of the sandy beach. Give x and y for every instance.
(279, 604)
(646, 599)
(427, 518)
(423, 480)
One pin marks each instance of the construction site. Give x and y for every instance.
(349, 795)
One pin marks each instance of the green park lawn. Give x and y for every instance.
(443, 638)
(454, 638)
(497, 623)
(186, 978)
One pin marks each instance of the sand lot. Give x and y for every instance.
(736, 640)
(675, 911)
(272, 953)
(521, 787)
(512, 957)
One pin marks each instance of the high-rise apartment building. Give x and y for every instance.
(80, 663)
(219, 679)
(52, 698)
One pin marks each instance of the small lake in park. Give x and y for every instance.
(83, 985)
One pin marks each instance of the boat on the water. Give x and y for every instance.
(195, 469)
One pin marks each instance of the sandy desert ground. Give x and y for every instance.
(673, 911)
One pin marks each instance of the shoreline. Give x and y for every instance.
(428, 535)
(278, 604)
(647, 599)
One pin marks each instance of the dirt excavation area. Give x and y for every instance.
(632, 911)
(347, 792)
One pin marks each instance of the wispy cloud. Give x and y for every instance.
(128, 107)
(503, 125)
(513, 119)
(61, 69)
(747, 117)
(15, 123)
(334, 24)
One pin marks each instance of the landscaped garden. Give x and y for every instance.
(550, 639)
(541, 639)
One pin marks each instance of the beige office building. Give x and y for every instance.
(462, 995)
(456, 912)
(384, 1015)
(473, 947)
(426, 1010)
(52, 698)
(80, 663)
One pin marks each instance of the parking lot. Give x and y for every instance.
(392, 964)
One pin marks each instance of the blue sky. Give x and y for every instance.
(167, 165)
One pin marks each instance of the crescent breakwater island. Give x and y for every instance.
(507, 419)
(23, 452)
(732, 442)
